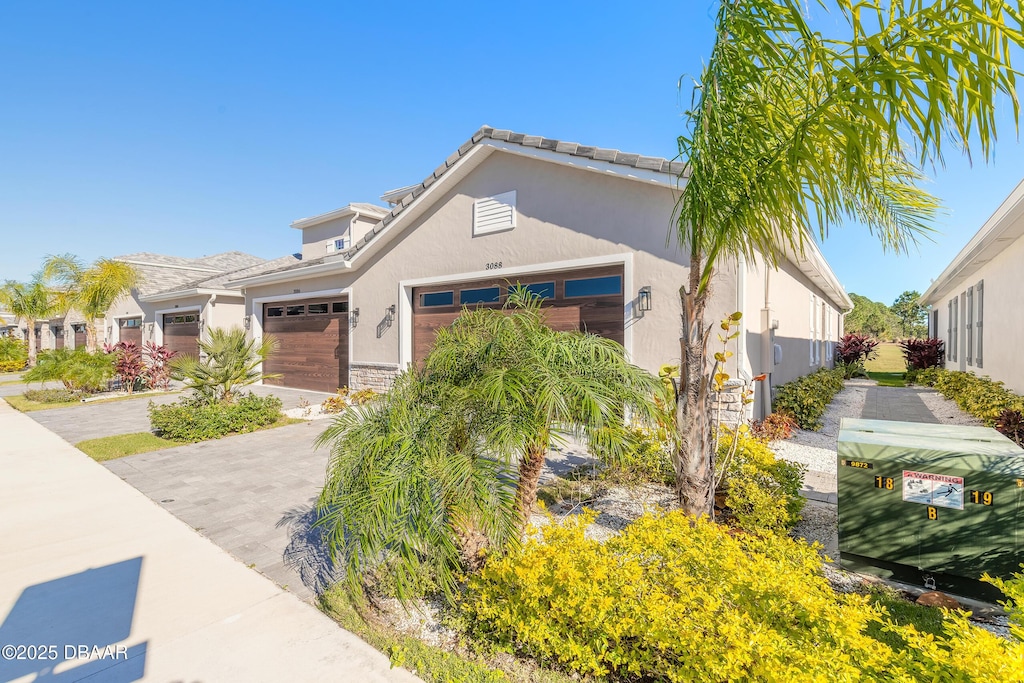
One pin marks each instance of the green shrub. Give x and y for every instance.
(13, 351)
(981, 397)
(198, 418)
(52, 395)
(762, 491)
(678, 599)
(633, 454)
(11, 365)
(77, 369)
(806, 398)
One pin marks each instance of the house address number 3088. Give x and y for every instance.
(493, 265)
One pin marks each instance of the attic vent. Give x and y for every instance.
(494, 214)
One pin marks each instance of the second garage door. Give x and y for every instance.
(181, 333)
(312, 350)
(591, 300)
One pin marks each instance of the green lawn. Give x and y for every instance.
(123, 445)
(888, 366)
(21, 403)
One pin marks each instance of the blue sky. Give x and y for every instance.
(129, 126)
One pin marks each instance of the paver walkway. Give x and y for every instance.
(902, 404)
(86, 560)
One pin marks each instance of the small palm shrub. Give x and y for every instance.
(923, 353)
(806, 399)
(634, 454)
(231, 362)
(198, 417)
(761, 491)
(682, 599)
(78, 370)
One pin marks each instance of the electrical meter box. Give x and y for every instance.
(931, 505)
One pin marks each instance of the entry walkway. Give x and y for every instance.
(86, 562)
(902, 404)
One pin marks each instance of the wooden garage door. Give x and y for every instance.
(312, 350)
(79, 336)
(58, 336)
(181, 333)
(131, 330)
(590, 300)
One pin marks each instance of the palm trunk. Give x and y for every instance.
(694, 459)
(90, 335)
(529, 477)
(33, 342)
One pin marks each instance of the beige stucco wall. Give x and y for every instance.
(225, 311)
(563, 215)
(783, 294)
(1002, 328)
(316, 238)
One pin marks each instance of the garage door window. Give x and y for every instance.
(275, 311)
(339, 307)
(484, 295)
(437, 299)
(317, 309)
(594, 286)
(132, 322)
(295, 310)
(543, 290)
(180, 319)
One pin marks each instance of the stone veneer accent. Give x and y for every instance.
(730, 402)
(376, 376)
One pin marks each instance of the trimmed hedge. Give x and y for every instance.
(197, 418)
(805, 399)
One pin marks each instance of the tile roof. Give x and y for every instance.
(611, 156)
(162, 273)
(220, 281)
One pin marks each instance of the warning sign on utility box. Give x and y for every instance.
(933, 489)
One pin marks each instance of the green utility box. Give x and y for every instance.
(930, 505)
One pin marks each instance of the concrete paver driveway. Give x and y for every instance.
(250, 494)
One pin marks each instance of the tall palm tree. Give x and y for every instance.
(790, 132)
(90, 290)
(454, 452)
(29, 302)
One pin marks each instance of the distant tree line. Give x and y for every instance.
(905, 318)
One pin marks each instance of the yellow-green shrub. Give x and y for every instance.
(11, 365)
(807, 398)
(641, 454)
(762, 490)
(981, 397)
(672, 598)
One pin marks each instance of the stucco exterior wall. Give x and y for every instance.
(563, 215)
(316, 238)
(1002, 325)
(784, 295)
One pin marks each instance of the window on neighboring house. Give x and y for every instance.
(494, 214)
(969, 325)
(342, 244)
(813, 332)
(954, 328)
(829, 314)
(977, 324)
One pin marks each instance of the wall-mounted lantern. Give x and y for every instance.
(643, 300)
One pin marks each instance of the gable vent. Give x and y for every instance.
(494, 214)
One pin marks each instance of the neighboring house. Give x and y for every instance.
(178, 298)
(584, 227)
(983, 279)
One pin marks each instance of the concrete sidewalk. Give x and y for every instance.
(86, 562)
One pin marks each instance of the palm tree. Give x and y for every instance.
(790, 132)
(93, 290)
(29, 302)
(231, 361)
(449, 460)
(533, 384)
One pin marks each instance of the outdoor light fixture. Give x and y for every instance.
(247, 321)
(354, 315)
(389, 314)
(643, 300)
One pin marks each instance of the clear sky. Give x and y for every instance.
(190, 128)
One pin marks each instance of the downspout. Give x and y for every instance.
(742, 367)
(767, 345)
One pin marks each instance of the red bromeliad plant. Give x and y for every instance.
(923, 353)
(129, 366)
(159, 369)
(855, 348)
